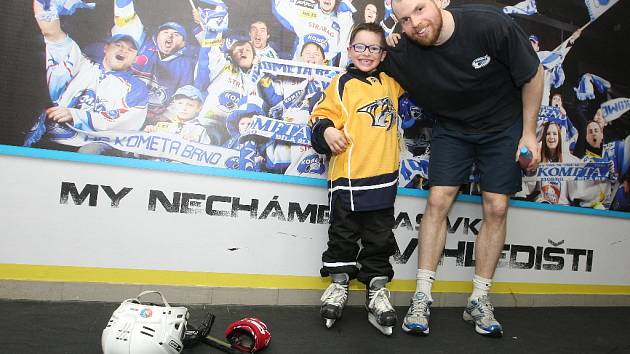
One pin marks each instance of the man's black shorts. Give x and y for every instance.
(453, 154)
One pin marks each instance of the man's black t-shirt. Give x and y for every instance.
(472, 81)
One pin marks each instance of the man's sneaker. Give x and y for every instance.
(417, 319)
(481, 313)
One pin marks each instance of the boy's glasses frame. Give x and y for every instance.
(360, 48)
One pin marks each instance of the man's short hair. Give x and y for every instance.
(594, 121)
(258, 21)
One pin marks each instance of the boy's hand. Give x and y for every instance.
(336, 140)
(392, 39)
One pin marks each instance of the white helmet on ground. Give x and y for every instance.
(140, 328)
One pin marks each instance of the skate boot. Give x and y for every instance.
(334, 299)
(381, 314)
(480, 313)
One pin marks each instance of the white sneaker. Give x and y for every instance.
(417, 319)
(481, 313)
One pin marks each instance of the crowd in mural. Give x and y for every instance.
(208, 94)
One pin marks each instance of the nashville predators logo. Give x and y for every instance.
(381, 111)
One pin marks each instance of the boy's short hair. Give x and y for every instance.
(370, 27)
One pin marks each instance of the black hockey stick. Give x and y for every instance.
(202, 335)
(219, 344)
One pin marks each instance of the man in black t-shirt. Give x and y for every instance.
(474, 69)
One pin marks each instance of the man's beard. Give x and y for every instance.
(436, 28)
(434, 25)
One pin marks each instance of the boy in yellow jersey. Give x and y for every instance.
(356, 121)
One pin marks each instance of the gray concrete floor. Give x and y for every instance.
(75, 327)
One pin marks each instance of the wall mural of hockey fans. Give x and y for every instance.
(231, 83)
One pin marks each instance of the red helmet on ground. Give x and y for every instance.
(248, 335)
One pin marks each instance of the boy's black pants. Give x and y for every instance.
(374, 229)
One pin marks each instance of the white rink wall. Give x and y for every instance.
(69, 222)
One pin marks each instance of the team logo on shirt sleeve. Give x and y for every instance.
(85, 100)
(311, 164)
(381, 111)
(157, 93)
(229, 99)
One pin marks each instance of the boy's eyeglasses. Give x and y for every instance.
(360, 48)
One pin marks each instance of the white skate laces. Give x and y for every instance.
(333, 301)
(381, 314)
(336, 294)
(379, 301)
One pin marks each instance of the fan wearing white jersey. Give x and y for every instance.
(325, 22)
(91, 96)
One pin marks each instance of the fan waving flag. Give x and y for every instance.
(527, 7)
(588, 84)
(597, 7)
(65, 7)
(615, 108)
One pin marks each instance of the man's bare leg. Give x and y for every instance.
(488, 247)
(432, 238)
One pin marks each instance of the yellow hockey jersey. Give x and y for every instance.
(364, 106)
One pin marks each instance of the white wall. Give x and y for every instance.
(545, 249)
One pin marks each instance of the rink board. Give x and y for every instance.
(115, 220)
